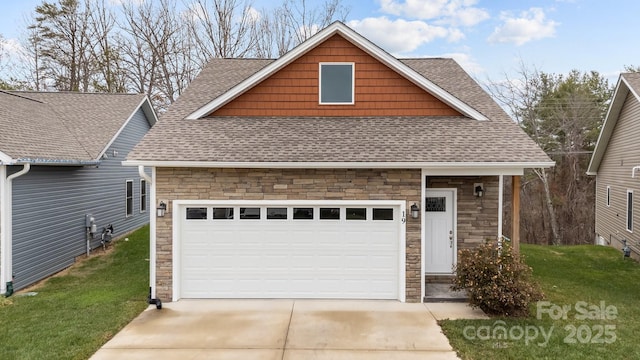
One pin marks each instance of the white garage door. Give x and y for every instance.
(279, 250)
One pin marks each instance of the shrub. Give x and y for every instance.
(496, 280)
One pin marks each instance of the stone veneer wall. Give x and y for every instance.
(286, 184)
(477, 217)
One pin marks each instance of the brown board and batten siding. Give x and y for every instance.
(293, 91)
(622, 154)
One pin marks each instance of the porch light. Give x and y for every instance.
(415, 211)
(478, 189)
(161, 209)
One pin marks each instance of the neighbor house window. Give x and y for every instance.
(337, 83)
(608, 195)
(143, 195)
(629, 210)
(129, 198)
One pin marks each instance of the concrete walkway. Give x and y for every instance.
(287, 329)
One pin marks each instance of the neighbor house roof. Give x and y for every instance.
(627, 83)
(63, 127)
(186, 137)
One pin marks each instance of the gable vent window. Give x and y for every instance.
(337, 83)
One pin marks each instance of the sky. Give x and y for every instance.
(491, 39)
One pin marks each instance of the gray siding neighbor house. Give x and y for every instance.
(60, 167)
(616, 165)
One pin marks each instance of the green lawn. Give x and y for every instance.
(592, 283)
(74, 314)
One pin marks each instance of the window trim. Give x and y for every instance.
(128, 212)
(143, 196)
(353, 82)
(629, 217)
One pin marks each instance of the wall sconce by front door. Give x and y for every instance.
(478, 189)
(415, 211)
(161, 209)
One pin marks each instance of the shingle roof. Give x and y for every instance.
(61, 126)
(388, 139)
(633, 79)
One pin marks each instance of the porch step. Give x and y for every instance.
(441, 292)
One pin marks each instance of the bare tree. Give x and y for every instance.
(64, 40)
(304, 21)
(106, 54)
(563, 115)
(157, 50)
(223, 28)
(520, 96)
(275, 37)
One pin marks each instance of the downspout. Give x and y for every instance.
(6, 224)
(152, 235)
(633, 171)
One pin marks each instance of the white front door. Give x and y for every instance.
(440, 237)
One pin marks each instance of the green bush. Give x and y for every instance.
(496, 280)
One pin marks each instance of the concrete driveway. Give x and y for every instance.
(287, 329)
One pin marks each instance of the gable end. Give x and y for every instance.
(295, 89)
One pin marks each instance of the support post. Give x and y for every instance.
(500, 205)
(515, 214)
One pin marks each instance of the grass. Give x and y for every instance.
(74, 314)
(593, 275)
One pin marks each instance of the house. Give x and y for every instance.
(335, 171)
(616, 165)
(61, 179)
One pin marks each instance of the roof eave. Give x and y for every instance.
(5, 159)
(610, 120)
(450, 168)
(358, 40)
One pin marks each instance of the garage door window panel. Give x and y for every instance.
(222, 213)
(249, 213)
(196, 213)
(329, 213)
(276, 213)
(356, 214)
(303, 213)
(382, 214)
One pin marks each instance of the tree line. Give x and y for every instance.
(154, 47)
(158, 47)
(563, 114)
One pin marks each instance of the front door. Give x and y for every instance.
(440, 237)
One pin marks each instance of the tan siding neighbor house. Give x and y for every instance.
(615, 164)
(336, 171)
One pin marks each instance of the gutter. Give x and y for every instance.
(6, 228)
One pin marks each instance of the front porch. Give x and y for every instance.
(476, 217)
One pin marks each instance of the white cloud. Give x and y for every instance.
(401, 36)
(11, 51)
(445, 12)
(467, 62)
(530, 25)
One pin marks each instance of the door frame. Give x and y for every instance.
(179, 205)
(423, 238)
